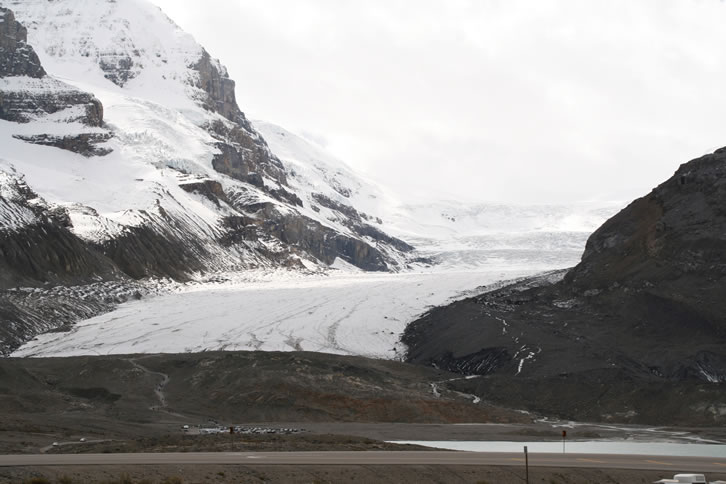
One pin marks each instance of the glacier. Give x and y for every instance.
(267, 237)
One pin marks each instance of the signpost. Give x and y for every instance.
(564, 436)
(526, 465)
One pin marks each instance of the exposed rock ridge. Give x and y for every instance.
(17, 58)
(676, 230)
(220, 89)
(261, 221)
(86, 144)
(644, 307)
(26, 92)
(360, 223)
(24, 99)
(243, 153)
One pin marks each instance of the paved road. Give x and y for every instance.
(676, 464)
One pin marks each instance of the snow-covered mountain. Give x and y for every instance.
(180, 160)
(125, 155)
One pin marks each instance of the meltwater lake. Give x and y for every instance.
(580, 447)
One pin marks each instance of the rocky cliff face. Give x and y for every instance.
(28, 94)
(220, 97)
(643, 309)
(23, 99)
(244, 155)
(675, 232)
(17, 58)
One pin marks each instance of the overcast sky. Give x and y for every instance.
(498, 100)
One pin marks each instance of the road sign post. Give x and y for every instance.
(564, 436)
(526, 465)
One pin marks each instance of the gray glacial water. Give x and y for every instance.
(582, 447)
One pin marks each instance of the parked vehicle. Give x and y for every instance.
(688, 479)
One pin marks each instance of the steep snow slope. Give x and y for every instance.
(126, 43)
(181, 149)
(154, 114)
(13, 215)
(138, 63)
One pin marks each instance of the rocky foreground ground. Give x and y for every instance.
(140, 403)
(126, 398)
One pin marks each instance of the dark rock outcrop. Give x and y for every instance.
(17, 58)
(86, 144)
(117, 67)
(358, 222)
(304, 236)
(667, 241)
(311, 237)
(238, 229)
(367, 230)
(244, 155)
(210, 189)
(646, 300)
(22, 104)
(219, 88)
(47, 253)
(23, 99)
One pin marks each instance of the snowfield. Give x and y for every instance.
(339, 312)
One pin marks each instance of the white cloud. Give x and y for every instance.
(512, 100)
